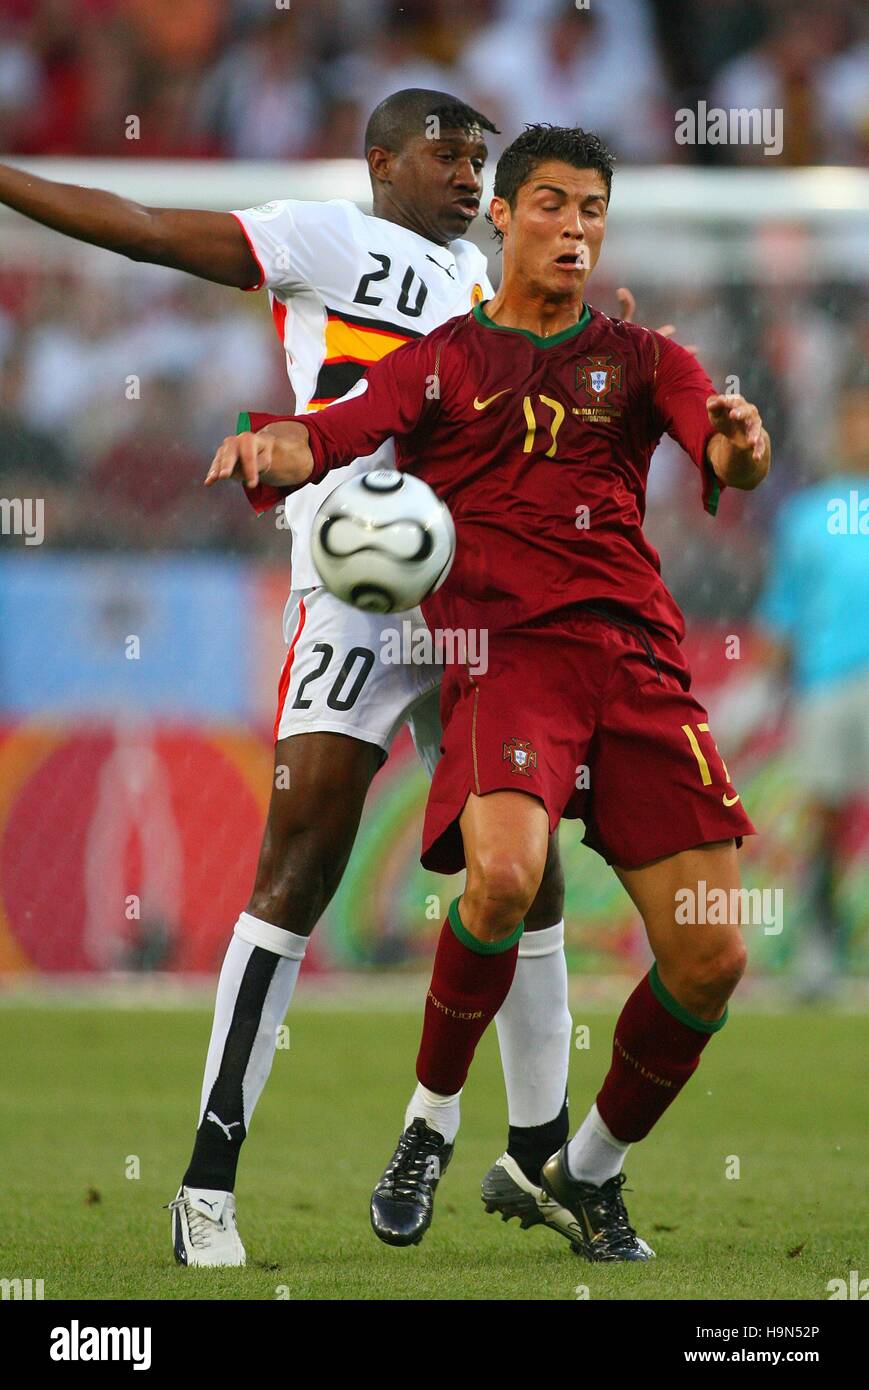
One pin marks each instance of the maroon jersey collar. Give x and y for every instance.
(582, 323)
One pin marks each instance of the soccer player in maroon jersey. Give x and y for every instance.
(526, 415)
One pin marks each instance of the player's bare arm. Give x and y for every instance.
(211, 245)
(740, 451)
(279, 452)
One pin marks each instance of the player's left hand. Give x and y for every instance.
(739, 421)
(628, 307)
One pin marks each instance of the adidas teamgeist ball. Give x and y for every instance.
(383, 541)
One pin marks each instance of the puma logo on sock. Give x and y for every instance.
(226, 1128)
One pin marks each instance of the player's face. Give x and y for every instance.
(437, 183)
(553, 236)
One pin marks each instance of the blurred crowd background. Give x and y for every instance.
(117, 380)
(295, 79)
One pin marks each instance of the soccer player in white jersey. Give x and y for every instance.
(345, 289)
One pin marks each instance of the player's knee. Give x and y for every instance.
(293, 889)
(500, 889)
(717, 974)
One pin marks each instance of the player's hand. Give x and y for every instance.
(246, 456)
(627, 304)
(739, 421)
(628, 307)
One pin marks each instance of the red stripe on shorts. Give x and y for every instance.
(284, 682)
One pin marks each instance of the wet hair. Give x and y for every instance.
(408, 113)
(539, 143)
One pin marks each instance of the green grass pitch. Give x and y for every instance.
(83, 1089)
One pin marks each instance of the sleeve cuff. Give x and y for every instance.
(248, 289)
(712, 488)
(265, 496)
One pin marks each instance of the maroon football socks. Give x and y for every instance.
(469, 983)
(656, 1048)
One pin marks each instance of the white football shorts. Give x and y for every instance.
(831, 740)
(354, 673)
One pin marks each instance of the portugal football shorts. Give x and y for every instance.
(594, 716)
(354, 673)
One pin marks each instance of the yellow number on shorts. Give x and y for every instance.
(705, 774)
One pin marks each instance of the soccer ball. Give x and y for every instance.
(383, 541)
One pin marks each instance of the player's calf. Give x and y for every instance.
(311, 826)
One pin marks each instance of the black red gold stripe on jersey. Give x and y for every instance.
(352, 345)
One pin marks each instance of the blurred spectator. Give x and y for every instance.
(814, 611)
(407, 53)
(796, 69)
(598, 68)
(26, 451)
(175, 36)
(696, 40)
(144, 479)
(260, 100)
(33, 462)
(843, 102)
(20, 84)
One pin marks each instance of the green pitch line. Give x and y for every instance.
(88, 1094)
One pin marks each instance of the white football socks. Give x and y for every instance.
(249, 934)
(440, 1112)
(534, 1030)
(594, 1154)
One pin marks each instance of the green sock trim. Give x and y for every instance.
(482, 948)
(665, 998)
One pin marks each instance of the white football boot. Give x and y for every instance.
(204, 1231)
(507, 1190)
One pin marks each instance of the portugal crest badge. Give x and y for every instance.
(598, 375)
(521, 756)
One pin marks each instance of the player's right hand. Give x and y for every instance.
(246, 456)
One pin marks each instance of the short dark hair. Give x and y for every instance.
(538, 143)
(408, 112)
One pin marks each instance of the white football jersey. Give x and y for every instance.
(346, 289)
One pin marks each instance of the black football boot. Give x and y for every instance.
(606, 1233)
(402, 1203)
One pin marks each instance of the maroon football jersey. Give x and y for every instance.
(540, 447)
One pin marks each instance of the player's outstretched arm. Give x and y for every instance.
(211, 245)
(390, 400)
(740, 451)
(279, 453)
